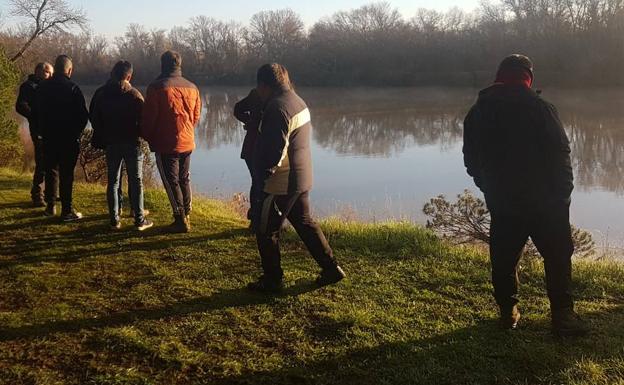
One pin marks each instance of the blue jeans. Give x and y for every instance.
(132, 156)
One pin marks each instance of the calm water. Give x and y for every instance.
(382, 153)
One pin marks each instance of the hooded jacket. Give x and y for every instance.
(115, 114)
(282, 157)
(60, 110)
(172, 110)
(516, 149)
(25, 102)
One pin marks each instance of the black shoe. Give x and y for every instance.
(146, 224)
(509, 317)
(566, 323)
(38, 203)
(263, 285)
(50, 210)
(71, 216)
(329, 277)
(179, 225)
(115, 225)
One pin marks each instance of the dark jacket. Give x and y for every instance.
(516, 150)
(282, 158)
(171, 112)
(249, 112)
(115, 114)
(60, 110)
(25, 102)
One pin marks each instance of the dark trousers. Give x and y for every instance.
(295, 207)
(37, 192)
(61, 157)
(175, 172)
(551, 233)
(131, 155)
(254, 195)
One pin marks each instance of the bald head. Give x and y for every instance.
(63, 65)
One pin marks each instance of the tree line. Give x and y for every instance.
(573, 42)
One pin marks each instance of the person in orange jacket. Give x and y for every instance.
(171, 112)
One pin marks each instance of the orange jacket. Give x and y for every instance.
(172, 110)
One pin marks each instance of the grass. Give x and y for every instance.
(82, 305)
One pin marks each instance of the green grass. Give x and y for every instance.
(82, 305)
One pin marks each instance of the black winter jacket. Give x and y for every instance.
(115, 114)
(249, 112)
(517, 151)
(25, 102)
(60, 110)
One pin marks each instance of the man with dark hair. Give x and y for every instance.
(518, 153)
(115, 115)
(249, 111)
(62, 116)
(172, 110)
(24, 106)
(283, 170)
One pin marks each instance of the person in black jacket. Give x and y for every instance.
(24, 106)
(249, 112)
(115, 114)
(518, 153)
(61, 117)
(282, 165)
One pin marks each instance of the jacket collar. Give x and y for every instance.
(175, 73)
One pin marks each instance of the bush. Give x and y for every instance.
(467, 220)
(11, 149)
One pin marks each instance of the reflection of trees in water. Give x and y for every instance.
(218, 126)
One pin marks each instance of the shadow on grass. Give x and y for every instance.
(479, 354)
(240, 297)
(89, 242)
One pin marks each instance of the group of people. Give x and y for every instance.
(515, 148)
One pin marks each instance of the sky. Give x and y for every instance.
(110, 17)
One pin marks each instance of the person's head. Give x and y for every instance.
(272, 78)
(44, 70)
(122, 71)
(515, 68)
(170, 61)
(63, 65)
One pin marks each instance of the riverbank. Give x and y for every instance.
(82, 305)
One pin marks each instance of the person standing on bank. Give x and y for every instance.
(171, 112)
(283, 168)
(518, 153)
(24, 106)
(115, 115)
(62, 116)
(249, 112)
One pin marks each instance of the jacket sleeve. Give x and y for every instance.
(198, 107)
(242, 110)
(25, 100)
(81, 112)
(470, 148)
(275, 139)
(139, 102)
(149, 116)
(95, 118)
(558, 146)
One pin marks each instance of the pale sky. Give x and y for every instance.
(110, 17)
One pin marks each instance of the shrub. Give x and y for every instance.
(11, 149)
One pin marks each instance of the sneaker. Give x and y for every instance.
(146, 224)
(566, 323)
(71, 216)
(329, 277)
(115, 225)
(50, 210)
(263, 285)
(509, 317)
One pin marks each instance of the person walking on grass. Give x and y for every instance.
(171, 112)
(283, 170)
(518, 153)
(62, 116)
(249, 111)
(24, 106)
(115, 114)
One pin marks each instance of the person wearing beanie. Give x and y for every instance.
(171, 112)
(518, 153)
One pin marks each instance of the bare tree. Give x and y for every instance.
(46, 15)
